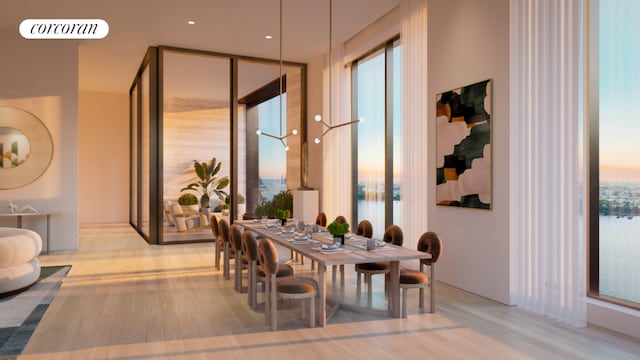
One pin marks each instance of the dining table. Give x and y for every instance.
(319, 246)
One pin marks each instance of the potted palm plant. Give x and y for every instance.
(208, 183)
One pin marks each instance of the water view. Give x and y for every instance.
(620, 240)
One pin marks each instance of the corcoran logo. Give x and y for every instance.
(64, 29)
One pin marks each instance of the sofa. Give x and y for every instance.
(19, 265)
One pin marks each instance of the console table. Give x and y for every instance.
(20, 215)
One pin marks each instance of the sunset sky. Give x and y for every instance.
(619, 91)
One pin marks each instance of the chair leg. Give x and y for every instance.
(367, 278)
(358, 284)
(421, 301)
(226, 262)
(251, 291)
(267, 301)
(312, 312)
(273, 303)
(404, 302)
(218, 250)
(238, 272)
(313, 264)
(432, 288)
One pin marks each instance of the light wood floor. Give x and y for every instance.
(124, 299)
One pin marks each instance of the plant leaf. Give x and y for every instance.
(200, 170)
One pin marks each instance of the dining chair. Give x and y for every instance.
(365, 228)
(219, 245)
(392, 235)
(235, 236)
(431, 243)
(255, 274)
(223, 230)
(321, 219)
(291, 287)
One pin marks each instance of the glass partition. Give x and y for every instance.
(145, 154)
(133, 170)
(195, 127)
(186, 113)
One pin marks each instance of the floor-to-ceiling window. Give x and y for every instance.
(376, 139)
(615, 151)
(272, 158)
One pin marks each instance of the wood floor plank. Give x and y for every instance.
(124, 299)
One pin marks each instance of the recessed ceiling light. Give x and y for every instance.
(191, 22)
(268, 37)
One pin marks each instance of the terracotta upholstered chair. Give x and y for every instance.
(256, 275)
(223, 230)
(219, 244)
(291, 287)
(393, 235)
(235, 237)
(430, 243)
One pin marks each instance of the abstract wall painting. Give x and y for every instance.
(463, 146)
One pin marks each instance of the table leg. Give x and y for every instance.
(394, 288)
(321, 314)
(19, 221)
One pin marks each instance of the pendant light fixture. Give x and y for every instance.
(280, 138)
(318, 117)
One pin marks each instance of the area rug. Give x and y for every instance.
(20, 313)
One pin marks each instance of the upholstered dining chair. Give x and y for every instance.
(321, 219)
(223, 230)
(431, 243)
(365, 228)
(255, 274)
(291, 287)
(393, 235)
(219, 244)
(235, 237)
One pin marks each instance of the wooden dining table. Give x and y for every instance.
(352, 252)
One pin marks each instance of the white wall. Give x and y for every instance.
(41, 77)
(468, 42)
(103, 127)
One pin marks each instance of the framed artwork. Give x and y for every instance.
(26, 148)
(463, 146)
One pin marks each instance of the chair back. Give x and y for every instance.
(235, 234)
(393, 234)
(365, 229)
(340, 219)
(321, 219)
(223, 230)
(249, 246)
(214, 226)
(268, 257)
(431, 243)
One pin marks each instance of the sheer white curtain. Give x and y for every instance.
(548, 271)
(336, 162)
(415, 187)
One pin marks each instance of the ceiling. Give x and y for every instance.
(226, 26)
